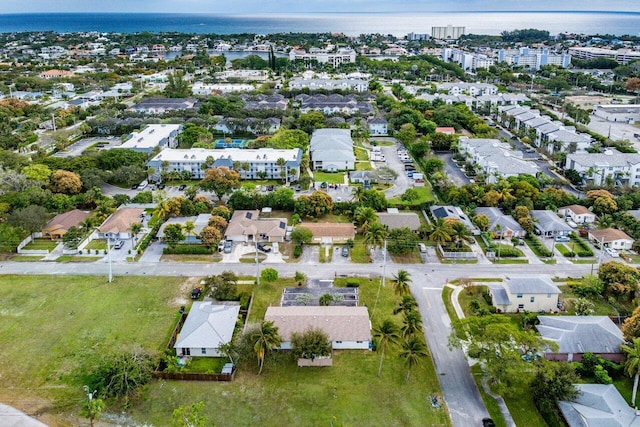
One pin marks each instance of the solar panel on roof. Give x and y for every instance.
(249, 215)
(282, 225)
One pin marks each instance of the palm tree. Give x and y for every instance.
(135, 229)
(413, 349)
(632, 365)
(460, 233)
(163, 209)
(265, 338)
(364, 217)
(386, 333)
(441, 232)
(407, 304)
(411, 324)
(357, 193)
(401, 283)
(375, 235)
(189, 228)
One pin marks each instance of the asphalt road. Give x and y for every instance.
(459, 390)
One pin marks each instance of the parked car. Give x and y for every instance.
(264, 247)
(143, 185)
(161, 186)
(182, 187)
(422, 247)
(612, 252)
(134, 187)
(196, 292)
(345, 251)
(221, 245)
(488, 422)
(119, 244)
(563, 239)
(227, 246)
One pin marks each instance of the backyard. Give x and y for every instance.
(424, 195)
(41, 244)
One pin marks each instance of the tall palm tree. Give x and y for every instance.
(441, 232)
(407, 304)
(265, 339)
(135, 229)
(401, 283)
(413, 350)
(460, 233)
(163, 209)
(189, 228)
(375, 235)
(386, 333)
(357, 193)
(364, 217)
(632, 365)
(411, 324)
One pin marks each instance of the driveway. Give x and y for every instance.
(77, 148)
(402, 182)
(153, 253)
(452, 170)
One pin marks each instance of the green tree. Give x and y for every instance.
(269, 275)
(401, 283)
(173, 234)
(364, 217)
(65, 182)
(190, 416)
(310, 344)
(632, 364)
(177, 86)
(407, 303)
(31, 218)
(460, 234)
(402, 240)
(411, 323)
(441, 232)
(375, 235)
(413, 351)
(220, 180)
(93, 406)
(386, 333)
(189, 228)
(120, 375)
(552, 383)
(265, 339)
(406, 134)
(301, 235)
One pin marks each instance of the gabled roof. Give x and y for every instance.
(581, 334)
(121, 221)
(548, 221)
(208, 325)
(609, 235)
(496, 217)
(399, 220)
(65, 221)
(578, 209)
(248, 223)
(329, 229)
(338, 322)
(598, 405)
(531, 285)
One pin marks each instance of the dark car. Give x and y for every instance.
(264, 248)
(182, 187)
(161, 186)
(345, 251)
(488, 422)
(134, 187)
(196, 292)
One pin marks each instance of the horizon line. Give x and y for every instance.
(321, 13)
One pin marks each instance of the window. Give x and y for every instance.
(204, 350)
(548, 295)
(338, 342)
(519, 296)
(532, 299)
(359, 342)
(520, 306)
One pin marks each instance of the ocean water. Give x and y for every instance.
(398, 24)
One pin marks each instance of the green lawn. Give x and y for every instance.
(424, 195)
(601, 306)
(412, 257)
(469, 294)
(42, 244)
(360, 251)
(77, 258)
(522, 408)
(26, 258)
(191, 258)
(60, 326)
(490, 402)
(364, 165)
(329, 177)
(347, 394)
(100, 244)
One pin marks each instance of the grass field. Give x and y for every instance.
(347, 394)
(60, 326)
(424, 195)
(26, 258)
(42, 244)
(97, 244)
(191, 258)
(329, 177)
(77, 258)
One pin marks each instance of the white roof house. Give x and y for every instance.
(347, 327)
(598, 405)
(332, 150)
(496, 159)
(208, 326)
(152, 136)
(500, 223)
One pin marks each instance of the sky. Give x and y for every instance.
(253, 7)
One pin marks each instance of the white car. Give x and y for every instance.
(612, 252)
(422, 247)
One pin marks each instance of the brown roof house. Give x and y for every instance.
(247, 226)
(394, 219)
(61, 223)
(611, 238)
(329, 233)
(578, 214)
(347, 327)
(118, 225)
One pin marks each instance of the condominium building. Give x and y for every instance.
(495, 159)
(342, 56)
(357, 85)
(250, 163)
(468, 61)
(152, 137)
(533, 58)
(612, 165)
(447, 33)
(623, 56)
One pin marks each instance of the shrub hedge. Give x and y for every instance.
(537, 247)
(188, 250)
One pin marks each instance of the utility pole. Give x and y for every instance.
(53, 121)
(109, 258)
(384, 271)
(257, 264)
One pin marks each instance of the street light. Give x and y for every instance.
(109, 257)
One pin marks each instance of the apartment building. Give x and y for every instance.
(152, 137)
(495, 159)
(623, 56)
(468, 61)
(342, 56)
(613, 166)
(447, 33)
(533, 58)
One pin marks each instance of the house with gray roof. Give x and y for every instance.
(531, 293)
(454, 213)
(598, 405)
(597, 168)
(161, 105)
(393, 219)
(247, 226)
(576, 335)
(501, 225)
(332, 150)
(208, 326)
(362, 177)
(495, 159)
(548, 224)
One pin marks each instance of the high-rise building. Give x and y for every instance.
(447, 33)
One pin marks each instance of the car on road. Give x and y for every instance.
(612, 252)
(227, 246)
(119, 244)
(563, 239)
(134, 187)
(196, 292)
(324, 185)
(182, 187)
(422, 247)
(488, 422)
(345, 251)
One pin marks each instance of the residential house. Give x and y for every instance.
(162, 105)
(247, 226)
(598, 405)
(612, 165)
(264, 102)
(532, 293)
(231, 126)
(611, 238)
(55, 74)
(61, 223)
(501, 225)
(576, 335)
(252, 163)
(207, 328)
(332, 150)
(548, 224)
(335, 104)
(153, 137)
(118, 225)
(453, 213)
(363, 177)
(330, 233)
(378, 126)
(393, 219)
(357, 85)
(200, 222)
(578, 214)
(346, 327)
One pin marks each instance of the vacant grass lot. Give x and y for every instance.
(58, 328)
(42, 244)
(347, 394)
(424, 195)
(329, 177)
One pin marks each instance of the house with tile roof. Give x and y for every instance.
(247, 226)
(346, 327)
(576, 335)
(61, 223)
(501, 225)
(578, 214)
(208, 326)
(611, 238)
(118, 225)
(531, 293)
(393, 219)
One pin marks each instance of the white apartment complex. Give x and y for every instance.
(623, 56)
(598, 168)
(357, 85)
(495, 159)
(533, 58)
(342, 56)
(447, 33)
(468, 61)
(152, 137)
